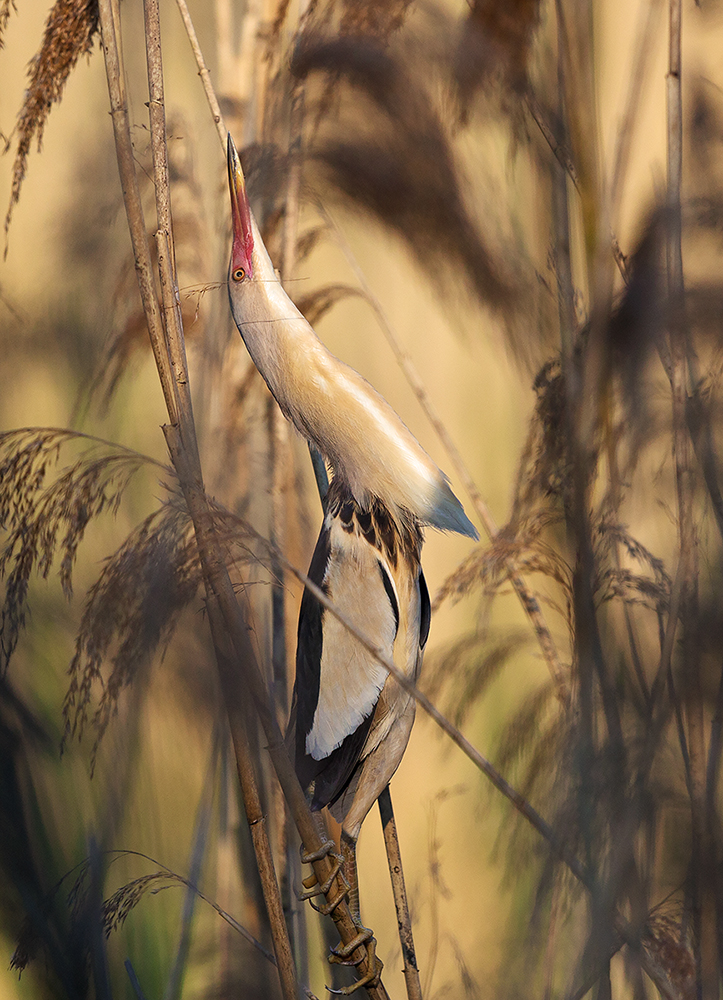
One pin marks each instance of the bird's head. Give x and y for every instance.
(241, 267)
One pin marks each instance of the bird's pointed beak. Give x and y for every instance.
(243, 237)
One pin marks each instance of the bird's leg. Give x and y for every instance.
(348, 867)
(343, 953)
(311, 885)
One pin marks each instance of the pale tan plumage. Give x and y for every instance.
(353, 427)
(345, 733)
(351, 721)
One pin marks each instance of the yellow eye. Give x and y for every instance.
(239, 274)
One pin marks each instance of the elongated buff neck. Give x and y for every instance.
(330, 404)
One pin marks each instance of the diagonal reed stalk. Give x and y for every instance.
(227, 620)
(391, 839)
(528, 600)
(237, 670)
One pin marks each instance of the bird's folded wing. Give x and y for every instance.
(350, 678)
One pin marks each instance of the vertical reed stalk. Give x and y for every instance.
(110, 33)
(404, 920)
(282, 472)
(704, 909)
(257, 824)
(224, 611)
(193, 483)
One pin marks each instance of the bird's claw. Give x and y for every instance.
(324, 851)
(311, 883)
(341, 955)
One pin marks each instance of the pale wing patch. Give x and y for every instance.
(377, 411)
(351, 679)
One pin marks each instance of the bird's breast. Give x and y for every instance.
(372, 576)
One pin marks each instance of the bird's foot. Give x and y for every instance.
(342, 955)
(311, 883)
(324, 851)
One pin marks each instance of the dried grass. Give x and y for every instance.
(614, 767)
(316, 304)
(69, 34)
(115, 910)
(665, 940)
(44, 520)
(6, 8)
(495, 42)
(130, 611)
(373, 18)
(386, 149)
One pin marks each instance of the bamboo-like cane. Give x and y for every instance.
(177, 354)
(704, 901)
(219, 589)
(404, 920)
(224, 611)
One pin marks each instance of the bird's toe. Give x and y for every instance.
(308, 857)
(342, 955)
(311, 885)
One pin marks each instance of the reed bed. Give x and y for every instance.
(579, 674)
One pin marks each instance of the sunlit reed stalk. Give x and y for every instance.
(177, 353)
(203, 72)
(224, 612)
(280, 447)
(404, 920)
(282, 472)
(578, 869)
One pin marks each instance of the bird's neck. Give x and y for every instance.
(281, 343)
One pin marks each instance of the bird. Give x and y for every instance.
(350, 720)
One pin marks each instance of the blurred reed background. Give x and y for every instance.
(498, 184)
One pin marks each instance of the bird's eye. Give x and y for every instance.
(239, 274)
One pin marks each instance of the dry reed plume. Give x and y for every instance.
(69, 34)
(611, 754)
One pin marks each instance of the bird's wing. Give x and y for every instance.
(391, 723)
(338, 682)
